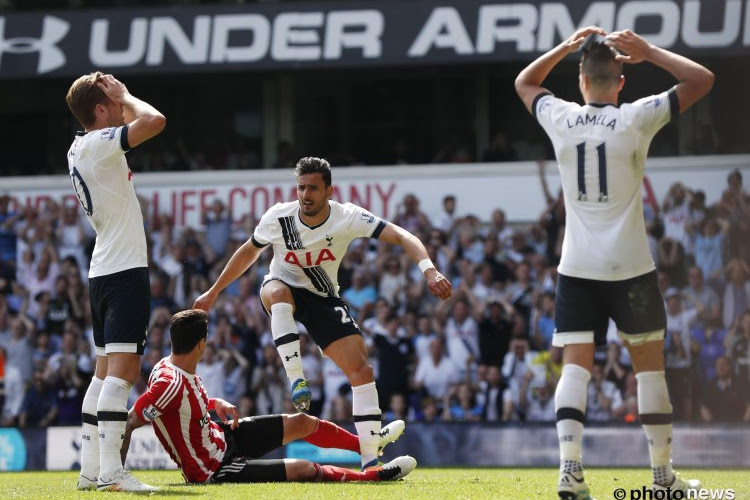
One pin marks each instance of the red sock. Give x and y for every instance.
(340, 474)
(330, 435)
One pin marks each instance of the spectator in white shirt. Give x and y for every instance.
(436, 374)
(604, 401)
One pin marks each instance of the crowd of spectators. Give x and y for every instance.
(483, 355)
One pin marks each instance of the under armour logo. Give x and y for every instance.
(329, 239)
(51, 56)
(382, 433)
(295, 355)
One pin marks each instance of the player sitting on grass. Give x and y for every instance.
(177, 406)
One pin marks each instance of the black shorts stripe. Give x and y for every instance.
(88, 418)
(378, 230)
(656, 418)
(570, 414)
(366, 418)
(286, 339)
(251, 471)
(112, 416)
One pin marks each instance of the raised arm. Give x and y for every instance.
(529, 81)
(242, 259)
(694, 80)
(396, 235)
(144, 121)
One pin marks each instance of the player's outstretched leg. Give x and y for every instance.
(570, 405)
(656, 416)
(392, 471)
(286, 337)
(90, 437)
(329, 435)
(366, 414)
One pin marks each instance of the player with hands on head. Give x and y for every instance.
(606, 270)
(177, 406)
(114, 122)
(309, 238)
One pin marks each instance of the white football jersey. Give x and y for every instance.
(104, 186)
(601, 153)
(309, 256)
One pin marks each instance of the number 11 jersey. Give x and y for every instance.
(601, 152)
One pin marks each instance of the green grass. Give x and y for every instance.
(422, 484)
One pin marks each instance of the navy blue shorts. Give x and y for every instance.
(635, 305)
(327, 319)
(120, 310)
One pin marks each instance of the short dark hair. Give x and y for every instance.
(313, 165)
(599, 64)
(83, 96)
(186, 329)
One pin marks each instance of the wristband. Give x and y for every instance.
(425, 264)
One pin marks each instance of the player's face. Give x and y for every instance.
(312, 193)
(116, 116)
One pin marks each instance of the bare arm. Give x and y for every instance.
(529, 81)
(694, 80)
(144, 121)
(242, 259)
(396, 235)
(132, 424)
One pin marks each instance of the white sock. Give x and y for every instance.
(112, 414)
(90, 431)
(570, 405)
(366, 414)
(286, 337)
(655, 411)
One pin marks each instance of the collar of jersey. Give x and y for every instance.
(601, 104)
(191, 375)
(317, 226)
(80, 133)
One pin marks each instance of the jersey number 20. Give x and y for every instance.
(602, 155)
(82, 191)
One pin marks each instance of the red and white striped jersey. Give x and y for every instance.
(177, 406)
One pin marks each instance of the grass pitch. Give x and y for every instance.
(422, 484)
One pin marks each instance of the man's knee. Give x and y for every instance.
(303, 424)
(279, 293)
(300, 470)
(362, 374)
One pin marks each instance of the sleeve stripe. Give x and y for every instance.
(536, 101)
(172, 390)
(674, 104)
(378, 229)
(258, 243)
(124, 144)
